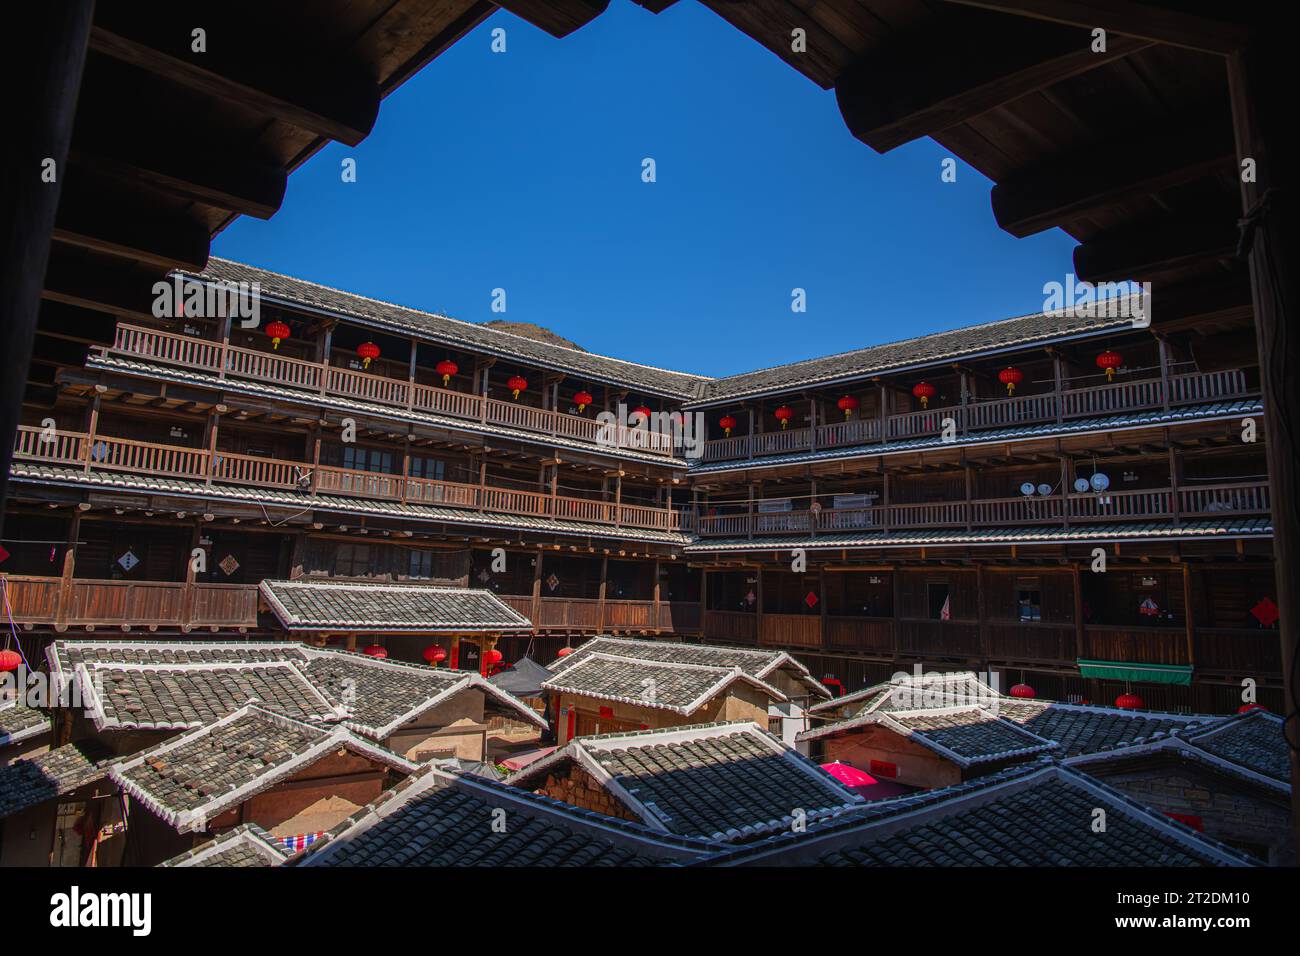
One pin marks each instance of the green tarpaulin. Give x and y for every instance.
(1180, 674)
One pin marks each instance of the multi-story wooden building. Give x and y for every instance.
(948, 501)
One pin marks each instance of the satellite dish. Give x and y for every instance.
(1100, 482)
(1081, 485)
(1027, 488)
(1044, 489)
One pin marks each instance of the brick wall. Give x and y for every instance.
(578, 788)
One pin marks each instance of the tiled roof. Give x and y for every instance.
(456, 333)
(444, 818)
(337, 606)
(1254, 740)
(965, 735)
(19, 722)
(385, 694)
(39, 473)
(1041, 814)
(1046, 534)
(725, 782)
(28, 781)
(762, 664)
(373, 697)
(681, 688)
(351, 405)
(244, 846)
(1084, 729)
(915, 352)
(912, 691)
(1076, 426)
(191, 778)
(177, 696)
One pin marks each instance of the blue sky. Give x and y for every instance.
(522, 170)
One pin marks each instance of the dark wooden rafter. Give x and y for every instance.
(959, 68)
(326, 96)
(1147, 21)
(72, 280)
(1141, 252)
(559, 18)
(131, 230)
(1088, 181)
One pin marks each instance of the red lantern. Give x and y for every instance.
(1128, 702)
(1243, 709)
(435, 654)
(493, 657)
(847, 404)
(446, 368)
(1110, 360)
(784, 414)
(1011, 377)
(279, 331)
(1023, 691)
(368, 351)
(564, 652)
(924, 391)
(643, 411)
(583, 399)
(728, 422)
(516, 385)
(375, 651)
(10, 660)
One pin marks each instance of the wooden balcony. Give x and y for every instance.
(234, 362)
(1239, 499)
(1186, 388)
(131, 605)
(101, 453)
(590, 615)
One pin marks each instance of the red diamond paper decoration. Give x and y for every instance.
(811, 599)
(1265, 612)
(4, 555)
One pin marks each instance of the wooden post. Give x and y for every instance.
(981, 616)
(704, 600)
(655, 610)
(537, 591)
(618, 498)
(210, 442)
(1078, 612)
(884, 413)
(1175, 503)
(1187, 613)
(749, 520)
(758, 605)
(189, 594)
(1260, 91)
(1162, 348)
(92, 426)
(1058, 386)
(410, 375)
(600, 603)
(65, 583)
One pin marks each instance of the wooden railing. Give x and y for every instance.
(1186, 388)
(103, 453)
(1136, 645)
(131, 605)
(1200, 501)
(232, 361)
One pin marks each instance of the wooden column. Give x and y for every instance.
(410, 376)
(655, 618)
(704, 599)
(1078, 612)
(1260, 84)
(1162, 348)
(1175, 479)
(600, 602)
(92, 426)
(758, 604)
(537, 591)
(210, 442)
(981, 616)
(1058, 386)
(39, 120)
(61, 613)
(1187, 613)
(749, 520)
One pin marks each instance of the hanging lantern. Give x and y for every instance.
(784, 414)
(279, 331)
(375, 651)
(1023, 691)
(643, 411)
(435, 654)
(1128, 702)
(1110, 360)
(516, 385)
(446, 368)
(728, 422)
(1243, 709)
(564, 652)
(583, 399)
(1011, 377)
(492, 658)
(368, 351)
(10, 660)
(847, 404)
(924, 391)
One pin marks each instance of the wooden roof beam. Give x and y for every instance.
(1087, 182)
(1143, 20)
(71, 280)
(321, 95)
(969, 64)
(1141, 253)
(165, 241)
(559, 18)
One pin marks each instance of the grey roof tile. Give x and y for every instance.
(247, 845)
(682, 688)
(28, 781)
(1080, 729)
(19, 722)
(1254, 740)
(341, 606)
(456, 333)
(967, 735)
(191, 778)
